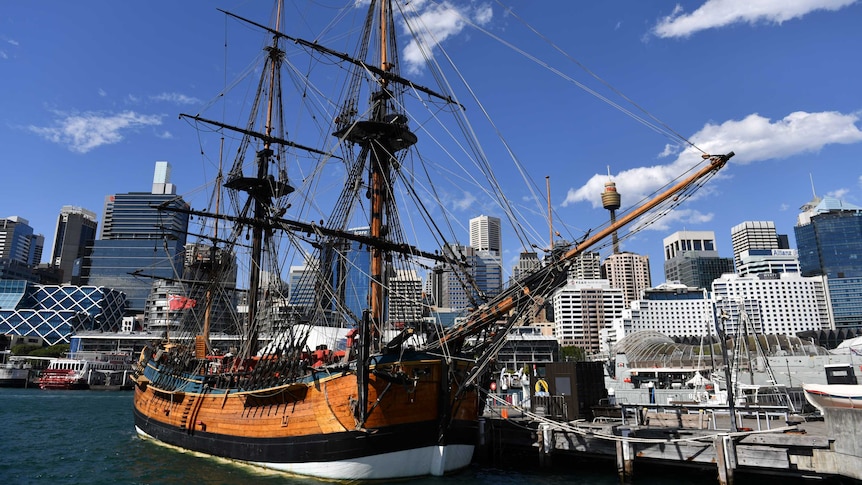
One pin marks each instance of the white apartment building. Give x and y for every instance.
(784, 303)
(582, 309)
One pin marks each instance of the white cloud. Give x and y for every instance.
(13, 42)
(464, 202)
(753, 139)
(669, 150)
(721, 13)
(102, 92)
(3, 55)
(175, 98)
(838, 193)
(438, 22)
(84, 132)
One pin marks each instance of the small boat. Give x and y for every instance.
(841, 391)
(83, 370)
(14, 371)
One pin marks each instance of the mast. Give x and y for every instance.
(260, 206)
(215, 260)
(382, 137)
(262, 188)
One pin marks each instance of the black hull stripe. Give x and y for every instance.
(316, 448)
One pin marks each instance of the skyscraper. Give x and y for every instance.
(691, 258)
(76, 230)
(829, 240)
(485, 234)
(20, 249)
(528, 261)
(143, 237)
(586, 266)
(754, 235)
(450, 282)
(582, 309)
(18, 243)
(628, 272)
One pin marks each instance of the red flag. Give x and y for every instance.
(179, 302)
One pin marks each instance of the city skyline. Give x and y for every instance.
(93, 121)
(657, 270)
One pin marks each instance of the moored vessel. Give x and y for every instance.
(333, 378)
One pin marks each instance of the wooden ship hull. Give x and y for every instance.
(308, 428)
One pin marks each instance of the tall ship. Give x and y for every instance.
(343, 373)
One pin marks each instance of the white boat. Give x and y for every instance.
(14, 371)
(834, 395)
(82, 370)
(841, 390)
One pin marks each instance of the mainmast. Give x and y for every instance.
(382, 137)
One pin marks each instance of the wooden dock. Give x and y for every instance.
(766, 442)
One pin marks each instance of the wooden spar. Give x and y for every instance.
(509, 300)
(715, 164)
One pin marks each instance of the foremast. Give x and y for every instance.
(263, 189)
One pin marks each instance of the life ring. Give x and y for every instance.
(541, 386)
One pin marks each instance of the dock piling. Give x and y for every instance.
(725, 455)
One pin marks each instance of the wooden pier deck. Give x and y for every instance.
(767, 442)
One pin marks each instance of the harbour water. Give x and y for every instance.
(87, 437)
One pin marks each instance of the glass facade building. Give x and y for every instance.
(76, 230)
(691, 258)
(54, 313)
(829, 241)
(139, 242)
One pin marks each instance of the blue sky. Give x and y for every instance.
(91, 91)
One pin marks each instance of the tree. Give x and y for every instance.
(573, 354)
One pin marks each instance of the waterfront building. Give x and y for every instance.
(691, 258)
(527, 345)
(673, 309)
(582, 309)
(775, 303)
(139, 241)
(53, 313)
(754, 235)
(628, 272)
(829, 239)
(76, 230)
(486, 234)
